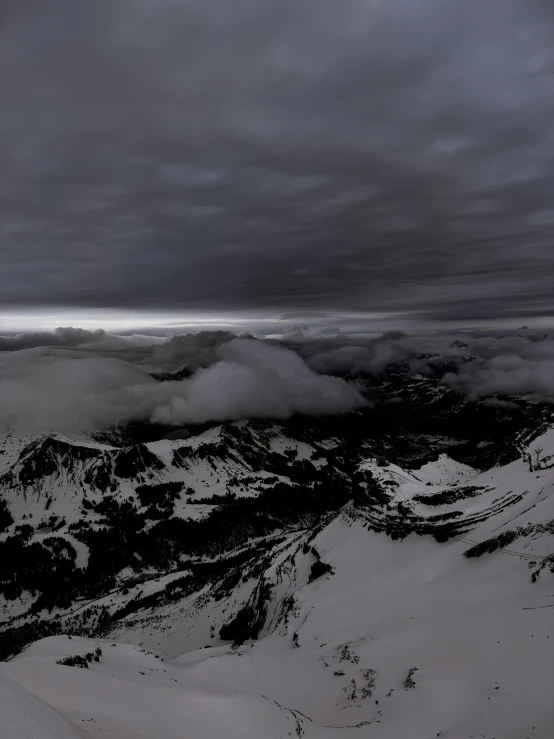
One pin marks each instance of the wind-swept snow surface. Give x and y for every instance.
(24, 716)
(132, 692)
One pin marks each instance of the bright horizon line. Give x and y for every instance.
(126, 320)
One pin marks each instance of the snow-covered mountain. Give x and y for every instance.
(386, 573)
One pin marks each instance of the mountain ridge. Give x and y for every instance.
(355, 573)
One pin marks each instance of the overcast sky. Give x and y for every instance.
(389, 156)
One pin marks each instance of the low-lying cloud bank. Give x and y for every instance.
(486, 364)
(76, 381)
(70, 390)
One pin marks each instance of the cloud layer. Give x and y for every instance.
(74, 381)
(70, 390)
(486, 363)
(363, 154)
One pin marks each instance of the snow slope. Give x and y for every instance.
(404, 639)
(132, 692)
(24, 716)
(421, 607)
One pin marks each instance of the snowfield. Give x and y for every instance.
(132, 692)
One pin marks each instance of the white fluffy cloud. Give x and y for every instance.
(252, 378)
(68, 390)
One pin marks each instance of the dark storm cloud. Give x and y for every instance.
(366, 155)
